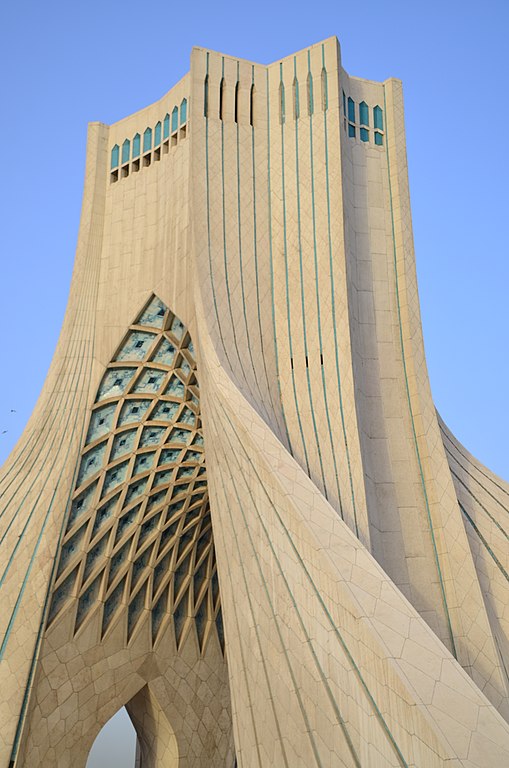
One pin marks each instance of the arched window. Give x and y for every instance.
(147, 140)
(251, 104)
(364, 134)
(157, 134)
(115, 156)
(351, 110)
(166, 126)
(363, 113)
(325, 94)
(281, 102)
(221, 98)
(183, 111)
(311, 106)
(126, 151)
(136, 145)
(206, 96)
(236, 110)
(296, 105)
(378, 120)
(174, 119)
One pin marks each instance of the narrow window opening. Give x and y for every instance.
(125, 171)
(363, 113)
(221, 99)
(157, 154)
(364, 134)
(378, 120)
(115, 154)
(296, 105)
(344, 102)
(136, 165)
(147, 159)
(325, 94)
(136, 145)
(307, 366)
(237, 88)
(379, 139)
(351, 110)
(157, 134)
(126, 151)
(166, 147)
(291, 362)
(251, 105)
(166, 126)
(183, 132)
(183, 112)
(351, 130)
(174, 119)
(174, 140)
(321, 358)
(281, 103)
(114, 176)
(206, 96)
(147, 140)
(311, 105)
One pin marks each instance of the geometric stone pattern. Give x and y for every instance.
(139, 535)
(361, 554)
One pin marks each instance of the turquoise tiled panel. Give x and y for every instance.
(136, 145)
(185, 472)
(177, 328)
(185, 367)
(125, 522)
(136, 346)
(187, 416)
(180, 436)
(156, 499)
(165, 353)
(104, 514)
(136, 489)
(198, 440)
(81, 505)
(114, 477)
(152, 436)
(164, 411)
(150, 381)
(166, 126)
(123, 443)
(91, 463)
(163, 477)
(101, 422)
(174, 119)
(175, 387)
(133, 410)
(169, 455)
(153, 315)
(115, 382)
(143, 462)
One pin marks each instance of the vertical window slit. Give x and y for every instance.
(310, 94)
(221, 99)
(281, 102)
(296, 105)
(237, 88)
(251, 105)
(206, 96)
(325, 95)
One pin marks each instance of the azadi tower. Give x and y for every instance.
(235, 510)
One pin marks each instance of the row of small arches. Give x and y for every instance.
(310, 97)
(363, 122)
(162, 131)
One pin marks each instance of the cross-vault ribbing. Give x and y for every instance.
(237, 427)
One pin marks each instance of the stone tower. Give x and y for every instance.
(235, 510)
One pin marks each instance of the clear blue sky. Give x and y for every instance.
(67, 63)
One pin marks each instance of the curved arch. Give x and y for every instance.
(118, 731)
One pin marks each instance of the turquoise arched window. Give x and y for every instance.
(363, 113)
(166, 126)
(378, 120)
(126, 151)
(136, 145)
(174, 119)
(157, 134)
(147, 140)
(183, 111)
(351, 110)
(379, 139)
(115, 156)
(310, 94)
(364, 134)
